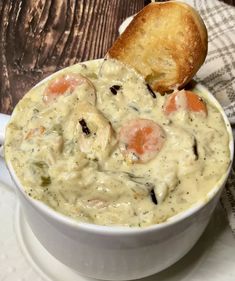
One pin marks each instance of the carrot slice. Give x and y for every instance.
(141, 140)
(60, 86)
(185, 100)
(35, 132)
(66, 83)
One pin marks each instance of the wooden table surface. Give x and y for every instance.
(39, 37)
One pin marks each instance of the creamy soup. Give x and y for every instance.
(95, 143)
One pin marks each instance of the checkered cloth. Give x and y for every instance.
(218, 72)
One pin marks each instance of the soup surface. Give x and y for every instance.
(95, 143)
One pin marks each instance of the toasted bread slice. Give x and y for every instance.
(165, 42)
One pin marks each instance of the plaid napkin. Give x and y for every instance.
(218, 72)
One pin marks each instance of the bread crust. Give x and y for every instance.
(166, 43)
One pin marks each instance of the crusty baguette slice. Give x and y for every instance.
(165, 42)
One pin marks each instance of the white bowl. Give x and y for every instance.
(119, 253)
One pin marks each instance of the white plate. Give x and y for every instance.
(22, 258)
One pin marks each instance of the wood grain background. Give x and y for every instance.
(38, 37)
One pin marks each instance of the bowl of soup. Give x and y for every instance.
(117, 181)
